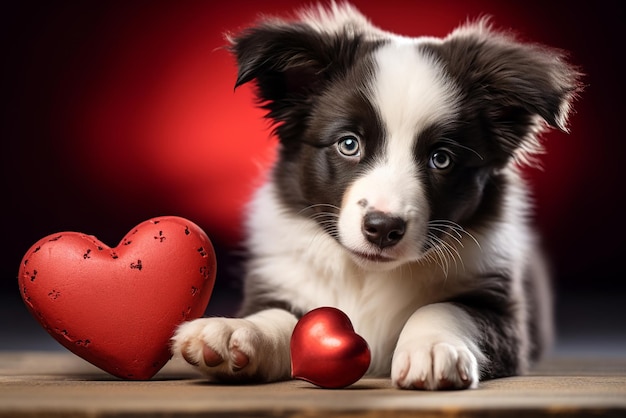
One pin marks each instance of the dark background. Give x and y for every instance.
(116, 112)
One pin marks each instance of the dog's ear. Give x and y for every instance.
(290, 63)
(519, 88)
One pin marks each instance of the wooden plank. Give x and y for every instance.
(60, 384)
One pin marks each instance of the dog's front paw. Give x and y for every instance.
(231, 350)
(434, 366)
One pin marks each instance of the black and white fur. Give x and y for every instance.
(396, 197)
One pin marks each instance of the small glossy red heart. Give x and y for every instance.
(326, 351)
(118, 307)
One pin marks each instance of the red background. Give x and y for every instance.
(115, 112)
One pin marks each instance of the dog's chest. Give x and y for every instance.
(377, 303)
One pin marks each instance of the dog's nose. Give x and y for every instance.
(383, 229)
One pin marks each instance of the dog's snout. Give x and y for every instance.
(383, 229)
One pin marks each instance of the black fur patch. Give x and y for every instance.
(492, 310)
(314, 87)
(470, 192)
(506, 84)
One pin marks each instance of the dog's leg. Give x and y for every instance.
(250, 349)
(437, 349)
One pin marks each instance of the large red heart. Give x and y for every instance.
(118, 307)
(326, 351)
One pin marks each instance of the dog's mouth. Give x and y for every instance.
(372, 257)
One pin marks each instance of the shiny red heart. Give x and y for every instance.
(326, 351)
(118, 307)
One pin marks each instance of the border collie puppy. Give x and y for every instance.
(396, 197)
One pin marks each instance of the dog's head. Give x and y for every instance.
(393, 145)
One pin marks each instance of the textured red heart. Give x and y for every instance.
(118, 307)
(326, 351)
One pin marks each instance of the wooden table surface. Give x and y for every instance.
(57, 384)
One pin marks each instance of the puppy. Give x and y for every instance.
(396, 197)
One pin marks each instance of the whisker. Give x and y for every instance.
(455, 227)
(444, 252)
(323, 215)
(318, 205)
(443, 231)
(439, 253)
(452, 228)
(457, 144)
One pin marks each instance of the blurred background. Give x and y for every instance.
(119, 111)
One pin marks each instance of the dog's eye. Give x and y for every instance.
(440, 160)
(349, 146)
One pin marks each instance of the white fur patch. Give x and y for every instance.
(342, 19)
(255, 338)
(410, 93)
(300, 263)
(437, 349)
